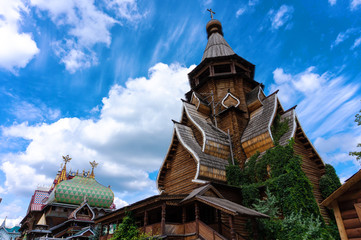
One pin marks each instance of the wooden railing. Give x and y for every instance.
(209, 233)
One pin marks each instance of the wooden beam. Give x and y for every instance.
(162, 225)
(196, 208)
(231, 226)
(340, 226)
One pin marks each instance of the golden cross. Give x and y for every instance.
(94, 164)
(66, 159)
(211, 12)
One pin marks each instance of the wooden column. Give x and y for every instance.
(145, 219)
(196, 207)
(162, 225)
(339, 221)
(219, 220)
(184, 215)
(255, 230)
(231, 223)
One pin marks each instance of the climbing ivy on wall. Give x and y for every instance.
(279, 171)
(329, 182)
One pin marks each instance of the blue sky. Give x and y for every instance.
(101, 80)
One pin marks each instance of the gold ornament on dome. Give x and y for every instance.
(66, 159)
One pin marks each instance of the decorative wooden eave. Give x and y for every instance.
(201, 191)
(258, 136)
(83, 205)
(209, 132)
(229, 95)
(341, 190)
(255, 98)
(201, 105)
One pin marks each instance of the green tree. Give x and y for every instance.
(356, 153)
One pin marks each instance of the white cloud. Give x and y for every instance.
(240, 11)
(332, 2)
(343, 36)
(280, 77)
(86, 25)
(281, 17)
(356, 43)
(16, 48)
(128, 140)
(119, 203)
(127, 9)
(339, 99)
(355, 4)
(25, 111)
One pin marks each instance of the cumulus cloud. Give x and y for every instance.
(86, 25)
(281, 17)
(129, 139)
(16, 48)
(119, 203)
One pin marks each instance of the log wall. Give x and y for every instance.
(180, 173)
(348, 204)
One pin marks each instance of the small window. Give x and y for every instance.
(204, 74)
(224, 68)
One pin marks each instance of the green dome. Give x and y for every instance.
(73, 192)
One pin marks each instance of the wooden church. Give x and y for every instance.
(226, 115)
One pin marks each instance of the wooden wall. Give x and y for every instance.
(350, 218)
(180, 173)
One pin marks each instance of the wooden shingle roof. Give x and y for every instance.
(261, 120)
(205, 125)
(217, 47)
(186, 137)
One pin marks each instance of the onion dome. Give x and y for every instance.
(74, 191)
(217, 45)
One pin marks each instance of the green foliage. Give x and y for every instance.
(279, 169)
(329, 182)
(294, 226)
(128, 230)
(291, 204)
(249, 194)
(233, 173)
(278, 129)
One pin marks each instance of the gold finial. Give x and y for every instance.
(94, 165)
(66, 159)
(211, 12)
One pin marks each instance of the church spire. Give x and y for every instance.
(217, 45)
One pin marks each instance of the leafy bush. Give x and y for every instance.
(294, 226)
(128, 230)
